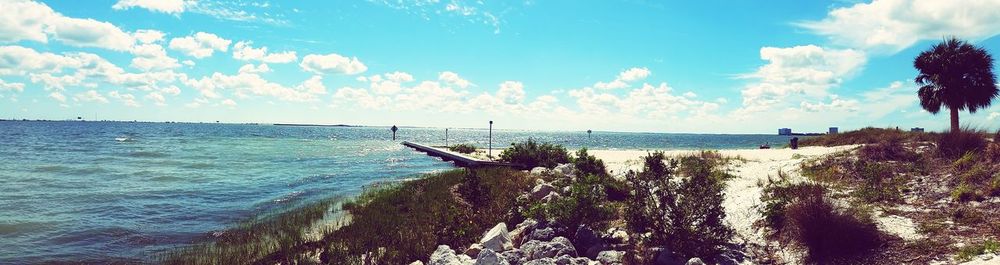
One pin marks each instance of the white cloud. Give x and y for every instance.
(127, 99)
(453, 78)
(58, 96)
(152, 57)
(332, 64)
(90, 96)
(511, 92)
(157, 98)
(162, 6)
(57, 71)
(893, 25)
(249, 84)
(146, 36)
(250, 68)
(624, 78)
(801, 71)
(401, 77)
(28, 23)
(200, 45)
(836, 103)
(245, 52)
(993, 116)
(5, 86)
(228, 102)
(36, 21)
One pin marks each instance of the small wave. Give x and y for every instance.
(199, 165)
(22, 227)
(166, 178)
(149, 154)
(124, 139)
(52, 169)
(288, 197)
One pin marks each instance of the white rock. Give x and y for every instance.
(539, 170)
(695, 261)
(473, 250)
(443, 255)
(497, 239)
(565, 169)
(489, 257)
(417, 262)
(540, 191)
(610, 257)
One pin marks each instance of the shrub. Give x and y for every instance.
(955, 144)
(963, 193)
(803, 216)
(969, 252)
(965, 162)
(686, 215)
(463, 148)
(586, 204)
(587, 164)
(531, 154)
(994, 187)
(878, 183)
(887, 150)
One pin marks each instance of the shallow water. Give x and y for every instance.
(105, 191)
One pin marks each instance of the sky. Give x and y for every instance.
(627, 65)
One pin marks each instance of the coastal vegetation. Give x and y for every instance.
(462, 148)
(531, 154)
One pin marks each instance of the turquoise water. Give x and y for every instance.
(110, 191)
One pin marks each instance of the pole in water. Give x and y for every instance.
(588, 134)
(446, 137)
(394, 129)
(490, 148)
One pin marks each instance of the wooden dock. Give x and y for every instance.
(459, 159)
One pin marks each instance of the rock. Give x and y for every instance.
(417, 262)
(539, 181)
(619, 237)
(514, 257)
(559, 246)
(695, 261)
(497, 239)
(444, 255)
(474, 250)
(539, 171)
(665, 257)
(611, 257)
(544, 234)
(540, 191)
(565, 169)
(561, 260)
(522, 230)
(489, 257)
(586, 239)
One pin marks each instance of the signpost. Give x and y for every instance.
(394, 129)
(490, 154)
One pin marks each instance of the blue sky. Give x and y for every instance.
(689, 66)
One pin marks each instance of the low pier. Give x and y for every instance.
(459, 159)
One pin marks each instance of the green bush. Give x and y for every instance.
(686, 215)
(887, 150)
(587, 164)
(964, 192)
(531, 154)
(878, 182)
(867, 135)
(956, 144)
(586, 204)
(463, 148)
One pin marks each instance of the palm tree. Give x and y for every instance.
(955, 74)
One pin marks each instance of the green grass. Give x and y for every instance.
(403, 223)
(967, 253)
(261, 236)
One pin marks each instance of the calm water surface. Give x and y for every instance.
(105, 191)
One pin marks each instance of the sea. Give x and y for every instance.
(74, 191)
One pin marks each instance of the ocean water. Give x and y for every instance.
(112, 191)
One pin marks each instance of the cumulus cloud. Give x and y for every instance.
(146, 36)
(801, 70)
(453, 78)
(511, 92)
(250, 68)
(58, 96)
(11, 86)
(152, 57)
(332, 64)
(90, 96)
(893, 25)
(624, 78)
(250, 84)
(162, 6)
(200, 45)
(228, 102)
(56, 71)
(245, 52)
(125, 98)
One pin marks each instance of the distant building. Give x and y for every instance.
(834, 130)
(785, 131)
(917, 129)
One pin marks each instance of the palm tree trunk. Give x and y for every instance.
(954, 120)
